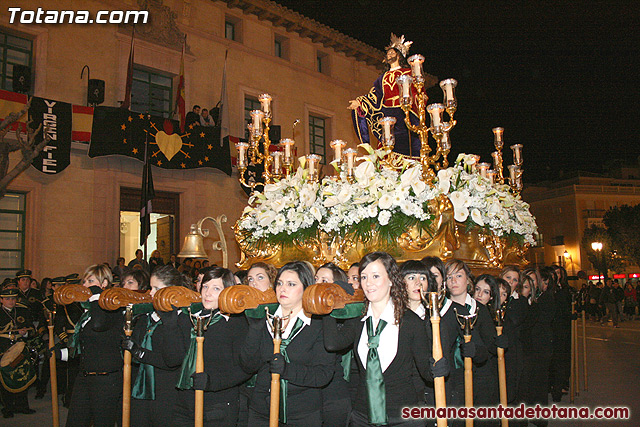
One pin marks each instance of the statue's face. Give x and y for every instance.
(392, 56)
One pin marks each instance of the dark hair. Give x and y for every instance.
(494, 289)
(561, 275)
(399, 295)
(139, 250)
(301, 268)
(43, 284)
(402, 59)
(509, 268)
(355, 264)
(219, 273)
(337, 272)
(120, 259)
(535, 272)
(417, 267)
(434, 261)
(241, 275)
(140, 276)
(195, 106)
(548, 274)
(169, 276)
(520, 287)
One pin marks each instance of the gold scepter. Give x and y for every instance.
(55, 412)
(466, 323)
(274, 409)
(434, 303)
(502, 372)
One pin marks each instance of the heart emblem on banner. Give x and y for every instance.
(168, 144)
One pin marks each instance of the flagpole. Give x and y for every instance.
(146, 159)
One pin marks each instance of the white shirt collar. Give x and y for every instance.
(421, 311)
(515, 295)
(287, 331)
(468, 301)
(387, 315)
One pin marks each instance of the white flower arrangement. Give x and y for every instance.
(297, 206)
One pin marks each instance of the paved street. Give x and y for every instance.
(613, 358)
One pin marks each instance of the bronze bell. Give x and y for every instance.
(193, 246)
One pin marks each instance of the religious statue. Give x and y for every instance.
(384, 100)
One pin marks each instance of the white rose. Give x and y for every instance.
(383, 217)
(385, 201)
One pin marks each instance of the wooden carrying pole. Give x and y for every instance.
(166, 299)
(274, 409)
(576, 355)
(126, 370)
(54, 374)
(502, 377)
(436, 350)
(115, 299)
(468, 382)
(584, 348)
(199, 409)
(572, 382)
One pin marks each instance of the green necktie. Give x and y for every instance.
(74, 343)
(144, 386)
(376, 393)
(346, 365)
(188, 368)
(458, 361)
(284, 383)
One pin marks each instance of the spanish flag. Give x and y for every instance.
(11, 102)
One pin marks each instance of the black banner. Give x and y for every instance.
(55, 117)
(123, 132)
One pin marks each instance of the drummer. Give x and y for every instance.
(15, 324)
(32, 299)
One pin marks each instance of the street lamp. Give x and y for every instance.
(597, 247)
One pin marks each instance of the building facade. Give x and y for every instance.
(58, 224)
(565, 208)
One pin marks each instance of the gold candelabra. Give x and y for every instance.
(515, 170)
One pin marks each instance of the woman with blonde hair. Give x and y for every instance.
(97, 389)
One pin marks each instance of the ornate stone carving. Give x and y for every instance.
(161, 28)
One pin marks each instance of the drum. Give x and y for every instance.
(17, 371)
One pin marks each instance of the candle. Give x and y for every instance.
(337, 145)
(277, 155)
(404, 81)
(313, 160)
(265, 102)
(435, 110)
(517, 154)
(416, 65)
(445, 142)
(513, 174)
(350, 154)
(491, 175)
(287, 143)
(257, 117)
(447, 87)
(497, 137)
(242, 154)
(497, 160)
(483, 168)
(387, 124)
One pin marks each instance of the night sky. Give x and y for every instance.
(561, 77)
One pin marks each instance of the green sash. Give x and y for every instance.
(346, 365)
(188, 368)
(75, 347)
(349, 311)
(284, 384)
(376, 393)
(144, 386)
